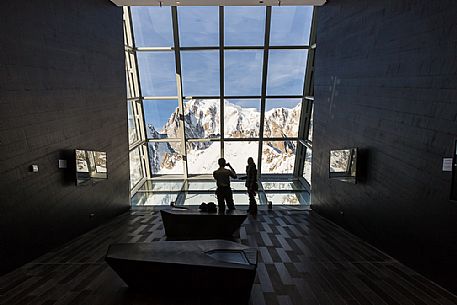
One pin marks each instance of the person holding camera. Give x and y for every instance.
(224, 192)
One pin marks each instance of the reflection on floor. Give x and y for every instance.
(303, 259)
(189, 192)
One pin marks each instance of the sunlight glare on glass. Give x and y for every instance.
(131, 123)
(136, 172)
(290, 25)
(157, 73)
(152, 26)
(286, 72)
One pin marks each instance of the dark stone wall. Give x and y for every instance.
(62, 87)
(386, 82)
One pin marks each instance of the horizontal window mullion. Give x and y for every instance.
(163, 140)
(283, 96)
(241, 139)
(145, 98)
(280, 139)
(289, 47)
(204, 140)
(136, 144)
(243, 47)
(198, 48)
(225, 47)
(242, 97)
(153, 49)
(202, 97)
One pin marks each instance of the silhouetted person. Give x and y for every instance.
(252, 186)
(224, 192)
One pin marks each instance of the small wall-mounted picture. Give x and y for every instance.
(343, 164)
(81, 162)
(90, 165)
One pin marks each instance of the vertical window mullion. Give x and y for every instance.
(264, 86)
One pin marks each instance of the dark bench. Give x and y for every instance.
(193, 224)
(205, 268)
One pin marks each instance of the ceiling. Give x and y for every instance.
(216, 2)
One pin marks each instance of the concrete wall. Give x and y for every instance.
(386, 82)
(62, 86)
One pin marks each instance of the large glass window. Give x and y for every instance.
(148, 199)
(307, 165)
(202, 157)
(278, 157)
(311, 121)
(230, 90)
(243, 72)
(197, 199)
(201, 118)
(165, 158)
(162, 186)
(157, 73)
(136, 169)
(241, 118)
(290, 25)
(152, 26)
(132, 86)
(284, 198)
(238, 152)
(244, 26)
(282, 185)
(198, 26)
(161, 118)
(133, 135)
(286, 72)
(200, 73)
(282, 118)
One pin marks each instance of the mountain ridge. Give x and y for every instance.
(201, 118)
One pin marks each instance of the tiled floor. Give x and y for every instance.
(304, 259)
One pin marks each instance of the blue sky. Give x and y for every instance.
(200, 73)
(244, 26)
(152, 26)
(157, 73)
(243, 72)
(199, 26)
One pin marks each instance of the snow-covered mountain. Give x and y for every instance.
(202, 121)
(281, 122)
(241, 122)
